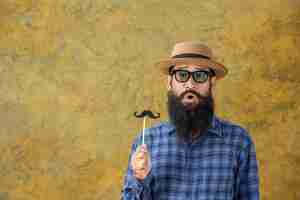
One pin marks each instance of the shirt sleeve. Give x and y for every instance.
(134, 189)
(247, 187)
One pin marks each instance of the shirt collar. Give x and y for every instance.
(215, 127)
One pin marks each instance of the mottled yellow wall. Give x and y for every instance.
(72, 72)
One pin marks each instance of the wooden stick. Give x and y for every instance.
(144, 126)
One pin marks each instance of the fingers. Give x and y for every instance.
(142, 148)
(140, 174)
(140, 158)
(141, 153)
(141, 162)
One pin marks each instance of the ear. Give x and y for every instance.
(213, 81)
(213, 85)
(169, 83)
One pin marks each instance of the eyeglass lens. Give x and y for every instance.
(198, 76)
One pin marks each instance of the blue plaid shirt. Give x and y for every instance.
(221, 164)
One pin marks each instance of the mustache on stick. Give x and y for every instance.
(147, 113)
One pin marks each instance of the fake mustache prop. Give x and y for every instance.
(144, 114)
(147, 113)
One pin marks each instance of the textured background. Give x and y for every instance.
(72, 72)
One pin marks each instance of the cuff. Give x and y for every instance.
(139, 185)
(146, 181)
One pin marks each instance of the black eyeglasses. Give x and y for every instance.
(199, 76)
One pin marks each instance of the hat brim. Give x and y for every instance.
(218, 68)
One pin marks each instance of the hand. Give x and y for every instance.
(140, 162)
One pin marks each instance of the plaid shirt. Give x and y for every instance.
(221, 164)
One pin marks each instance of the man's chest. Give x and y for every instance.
(207, 168)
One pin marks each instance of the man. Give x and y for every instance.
(196, 155)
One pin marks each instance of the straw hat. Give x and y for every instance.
(192, 53)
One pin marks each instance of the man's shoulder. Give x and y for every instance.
(234, 131)
(227, 124)
(158, 131)
(163, 127)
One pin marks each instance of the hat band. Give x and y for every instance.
(191, 55)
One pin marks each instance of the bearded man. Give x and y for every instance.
(196, 155)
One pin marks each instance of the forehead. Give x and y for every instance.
(191, 67)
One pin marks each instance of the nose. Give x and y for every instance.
(190, 84)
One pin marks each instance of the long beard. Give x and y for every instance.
(185, 120)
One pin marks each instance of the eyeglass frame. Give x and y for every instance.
(209, 72)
